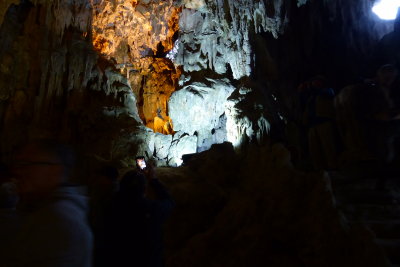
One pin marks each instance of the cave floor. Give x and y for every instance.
(377, 209)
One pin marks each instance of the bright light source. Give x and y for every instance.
(386, 9)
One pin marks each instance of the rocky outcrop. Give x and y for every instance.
(216, 40)
(136, 36)
(246, 117)
(198, 106)
(109, 61)
(129, 31)
(217, 35)
(212, 36)
(95, 73)
(39, 75)
(257, 207)
(54, 83)
(68, 65)
(154, 91)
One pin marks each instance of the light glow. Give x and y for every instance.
(386, 9)
(172, 54)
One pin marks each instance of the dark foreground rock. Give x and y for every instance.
(255, 209)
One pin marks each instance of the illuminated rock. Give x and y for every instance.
(162, 143)
(246, 121)
(71, 65)
(127, 31)
(107, 60)
(157, 87)
(181, 144)
(137, 36)
(163, 125)
(216, 36)
(197, 107)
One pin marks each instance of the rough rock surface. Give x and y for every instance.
(108, 60)
(198, 106)
(67, 66)
(181, 144)
(211, 36)
(60, 76)
(257, 207)
(246, 117)
(128, 31)
(216, 35)
(52, 80)
(136, 36)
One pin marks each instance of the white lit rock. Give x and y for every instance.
(217, 35)
(162, 143)
(245, 117)
(185, 144)
(197, 107)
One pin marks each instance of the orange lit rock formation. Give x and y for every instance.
(127, 31)
(137, 35)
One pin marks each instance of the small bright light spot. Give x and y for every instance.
(172, 54)
(386, 9)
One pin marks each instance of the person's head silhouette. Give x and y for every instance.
(133, 182)
(42, 166)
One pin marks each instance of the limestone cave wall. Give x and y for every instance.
(53, 83)
(166, 78)
(125, 77)
(119, 78)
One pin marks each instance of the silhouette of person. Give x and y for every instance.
(319, 121)
(54, 230)
(134, 228)
(9, 217)
(101, 195)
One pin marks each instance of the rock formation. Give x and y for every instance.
(165, 78)
(136, 36)
(67, 66)
(255, 209)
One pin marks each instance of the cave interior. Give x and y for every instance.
(249, 109)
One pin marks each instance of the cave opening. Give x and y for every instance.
(386, 10)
